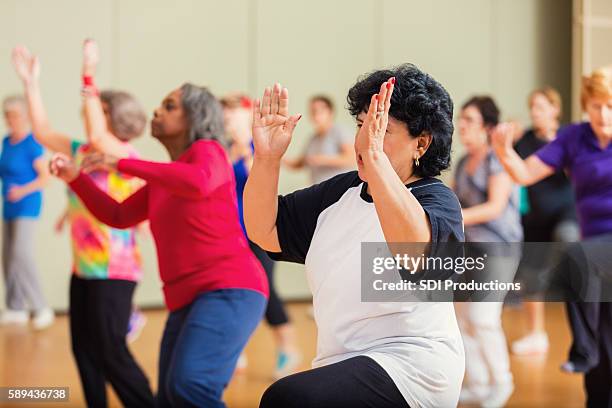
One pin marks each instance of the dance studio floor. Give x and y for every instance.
(44, 359)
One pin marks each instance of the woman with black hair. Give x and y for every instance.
(213, 285)
(369, 353)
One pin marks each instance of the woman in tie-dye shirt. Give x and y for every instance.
(107, 263)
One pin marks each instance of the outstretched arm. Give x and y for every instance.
(98, 133)
(195, 179)
(28, 69)
(128, 213)
(524, 172)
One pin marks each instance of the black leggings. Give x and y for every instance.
(358, 382)
(275, 311)
(591, 325)
(99, 314)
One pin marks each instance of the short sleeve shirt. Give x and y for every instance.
(577, 150)
(323, 226)
(472, 190)
(99, 251)
(16, 169)
(328, 144)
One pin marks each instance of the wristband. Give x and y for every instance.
(88, 80)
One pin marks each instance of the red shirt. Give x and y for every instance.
(191, 205)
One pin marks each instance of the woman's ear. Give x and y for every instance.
(423, 143)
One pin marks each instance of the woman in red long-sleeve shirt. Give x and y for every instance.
(213, 286)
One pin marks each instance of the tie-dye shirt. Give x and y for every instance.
(99, 251)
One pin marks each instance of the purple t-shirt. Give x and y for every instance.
(576, 149)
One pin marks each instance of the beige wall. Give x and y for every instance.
(503, 47)
(592, 28)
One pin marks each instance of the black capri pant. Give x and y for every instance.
(275, 311)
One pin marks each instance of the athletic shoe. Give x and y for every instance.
(43, 319)
(573, 368)
(242, 364)
(286, 363)
(17, 317)
(498, 395)
(534, 343)
(136, 323)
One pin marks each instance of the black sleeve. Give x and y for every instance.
(444, 212)
(298, 213)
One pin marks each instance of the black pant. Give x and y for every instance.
(358, 382)
(99, 315)
(275, 311)
(591, 350)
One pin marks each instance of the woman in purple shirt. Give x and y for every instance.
(584, 151)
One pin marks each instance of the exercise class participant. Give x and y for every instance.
(584, 151)
(368, 353)
(106, 261)
(213, 285)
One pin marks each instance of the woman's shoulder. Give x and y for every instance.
(430, 186)
(574, 131)
(205, 148)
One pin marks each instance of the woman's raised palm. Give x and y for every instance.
(272, 125)
(25, 64)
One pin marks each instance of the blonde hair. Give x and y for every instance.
(551, 95)
(596, 85)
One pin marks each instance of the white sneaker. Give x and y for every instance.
(535, 343)
(18, 317)
(43, 319)
(242, 364)
(498, 396)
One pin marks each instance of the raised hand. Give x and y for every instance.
(91, 57)
(62, 166)
(272, 125)
(371, 135)
(502, 137)
(26, 65)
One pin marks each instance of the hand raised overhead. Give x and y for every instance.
(26, 65)
(272, 125)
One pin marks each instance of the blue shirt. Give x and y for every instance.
(17, 169)
(241, 173)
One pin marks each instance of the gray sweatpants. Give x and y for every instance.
(23, 291)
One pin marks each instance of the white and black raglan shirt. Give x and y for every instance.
(418, 344)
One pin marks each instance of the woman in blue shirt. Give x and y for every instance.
(24, 173)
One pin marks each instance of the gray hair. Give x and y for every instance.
(204, 114)
(12, 101)
(127, 117)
